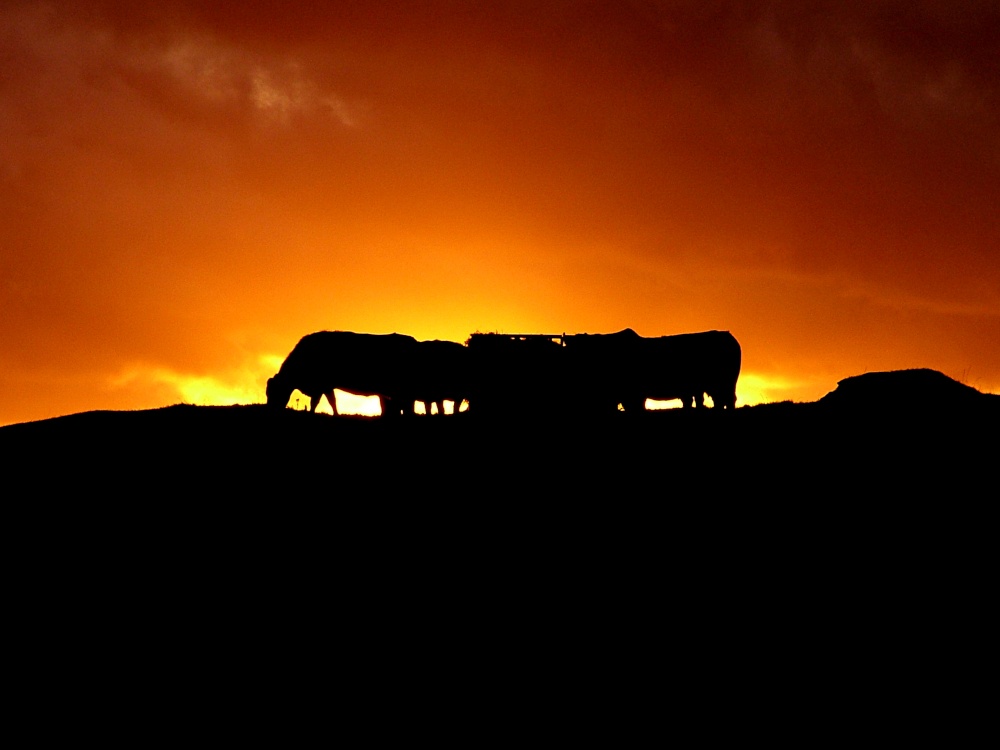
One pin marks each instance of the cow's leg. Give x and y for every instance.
(314, 402)
(440, 407)
(634, 404)
(331, 398)
(390, 407)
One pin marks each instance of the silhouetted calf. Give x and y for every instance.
(441, 373)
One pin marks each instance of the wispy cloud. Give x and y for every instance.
(277, 90)
(240, 386)
(284, 96)
(898, 299)
(203, 67)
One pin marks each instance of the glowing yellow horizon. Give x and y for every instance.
(246, 385)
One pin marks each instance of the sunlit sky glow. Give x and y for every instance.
(189, 187)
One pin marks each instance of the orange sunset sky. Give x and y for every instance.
(187, 188)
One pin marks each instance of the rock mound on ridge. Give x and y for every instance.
(919, 389)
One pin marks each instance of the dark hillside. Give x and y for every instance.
(894, 431)
(786, 485)
(814, 529)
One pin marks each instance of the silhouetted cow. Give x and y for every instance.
(364, 364)
(441, 373)
(689, 365)
(626, 368)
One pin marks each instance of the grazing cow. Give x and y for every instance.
(690, 365)
(364, 364)
(442, 373)
(626, 368)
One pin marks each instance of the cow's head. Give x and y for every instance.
(278, 392)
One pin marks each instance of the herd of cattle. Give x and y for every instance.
(503, 374)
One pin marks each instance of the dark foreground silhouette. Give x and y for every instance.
(878, 434)
(823, 544)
